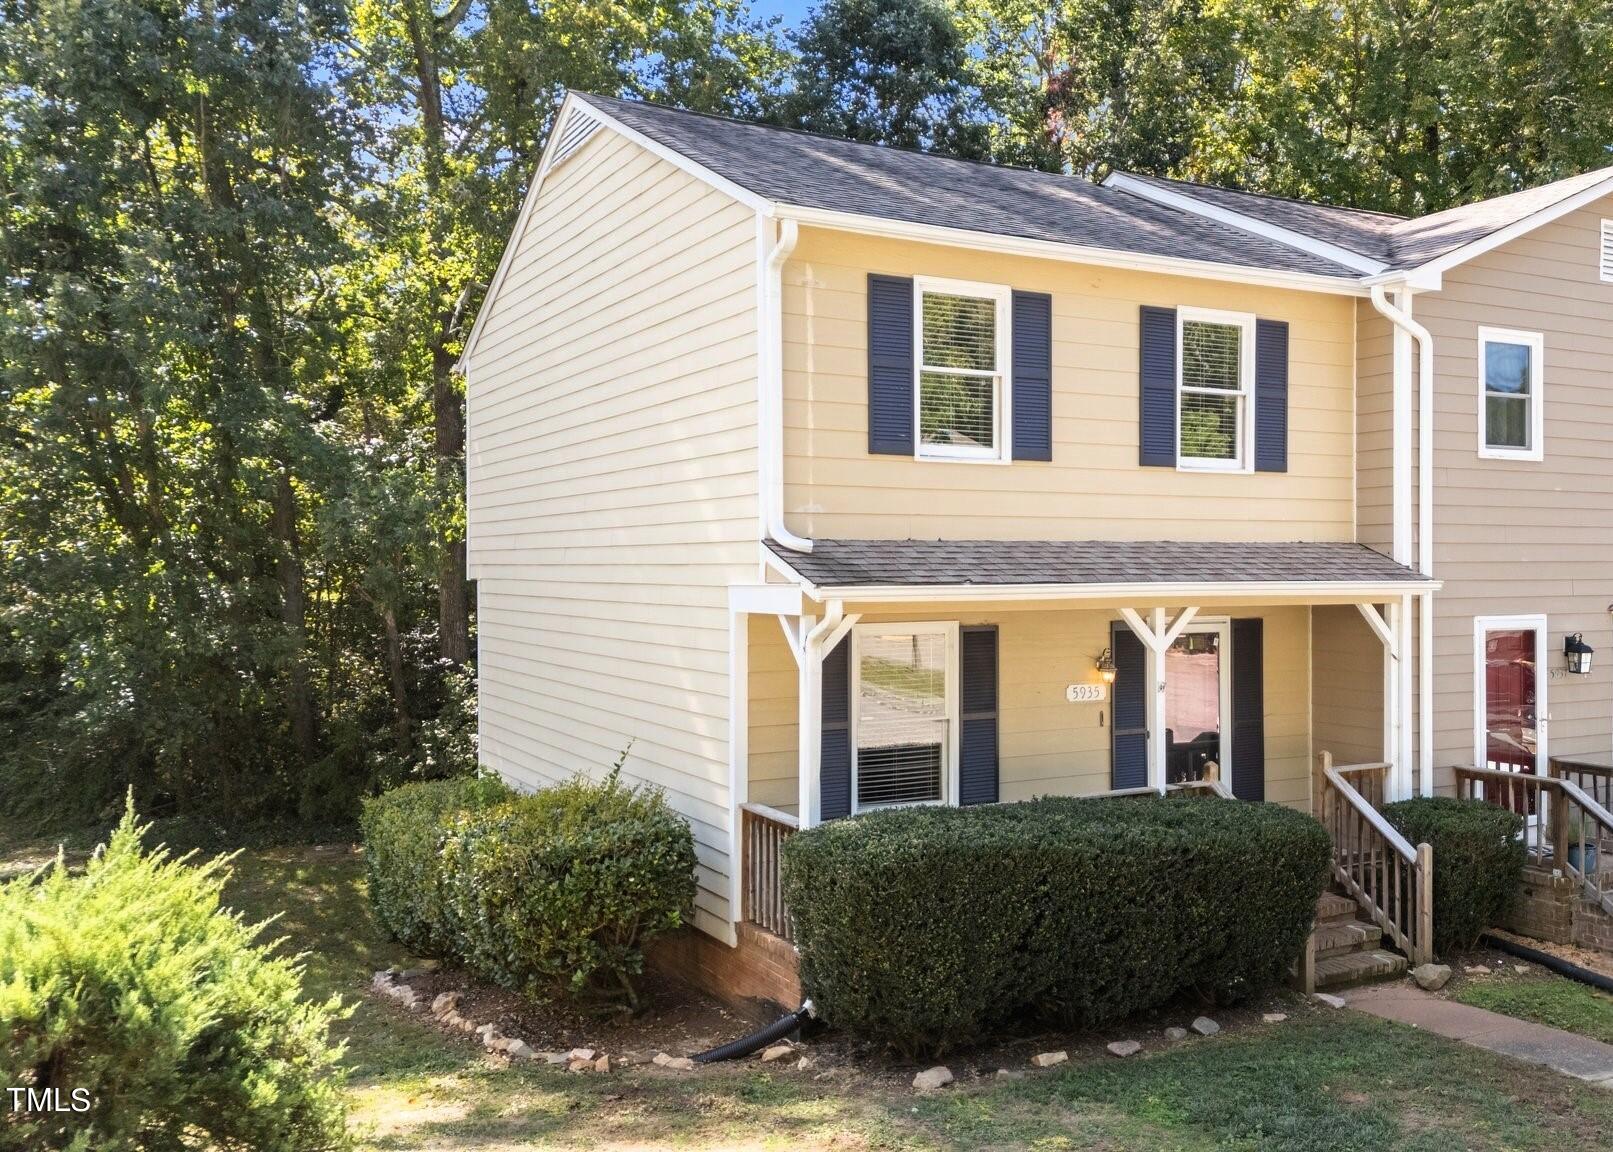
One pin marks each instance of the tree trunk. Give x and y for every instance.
(294, 614)
(402, 722)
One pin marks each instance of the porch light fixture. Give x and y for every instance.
(1106, 666)
(1578, 653)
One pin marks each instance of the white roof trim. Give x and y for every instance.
(1350, 259)
(1072, 253)
(1517, 228)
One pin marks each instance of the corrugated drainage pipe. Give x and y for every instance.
(1546, 960)
(756, 1041)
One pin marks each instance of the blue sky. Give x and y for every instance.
(792, 10)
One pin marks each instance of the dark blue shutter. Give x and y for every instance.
(890, 365)
(834, 749)
(977, 707)
(1158, 364)
(1033, 376)
(1128, 727)
(1248, 710)
(1271, 396)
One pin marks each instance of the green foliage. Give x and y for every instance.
(926, 927)
(1478, 862)
(555, 891)
(130, 984)
(403, 834)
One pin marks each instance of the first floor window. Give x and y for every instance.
(903, 713)
(1509, 394)
(1215, 379)
(962, 356)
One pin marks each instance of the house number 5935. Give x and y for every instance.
(1086, 693)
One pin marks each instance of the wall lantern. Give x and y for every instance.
(1106, 666)
(1578, 653)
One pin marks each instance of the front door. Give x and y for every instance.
(1198, 682)
(1510, 693)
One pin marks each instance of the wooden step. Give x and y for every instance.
(1358, 968)
(1335, 909)
(1340, 939)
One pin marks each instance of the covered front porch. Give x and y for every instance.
(937, 673)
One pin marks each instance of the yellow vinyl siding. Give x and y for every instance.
(1516, 537)
(611, 486)
(1093, 488)
(1047, 746)
(1348, 715)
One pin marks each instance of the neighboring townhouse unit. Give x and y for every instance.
(832, 476)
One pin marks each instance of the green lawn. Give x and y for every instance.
(1544, 998)
(1330, 1080)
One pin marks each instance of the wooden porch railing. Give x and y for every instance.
(1565, 827)
(1392, 881)
(1595, 778)
(763, 832)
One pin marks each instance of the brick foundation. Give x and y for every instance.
(1549, 908)
(759, 977)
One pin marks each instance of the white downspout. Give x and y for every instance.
(1401, 318)
(770, 400)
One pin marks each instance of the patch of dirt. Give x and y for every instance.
(1595, 960)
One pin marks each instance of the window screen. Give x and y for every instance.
(959, 377)
(901, 719)
(1508, 387)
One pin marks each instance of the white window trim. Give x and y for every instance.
(1486, 624)
(949, 769)
(1002, 414)
(1537, 395)
(1603, 250)
(1246, 390)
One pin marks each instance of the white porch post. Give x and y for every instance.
(1157, 639)
(1392, 633)
(738, 756)
(1403, 761)
(808, 719)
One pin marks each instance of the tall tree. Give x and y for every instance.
(892, 71)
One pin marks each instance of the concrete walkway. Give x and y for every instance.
(1572, 1055)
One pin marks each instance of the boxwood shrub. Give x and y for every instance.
(164, 1021)
(924, 927)
(1478, 862)
(554, 891)
(403, 831)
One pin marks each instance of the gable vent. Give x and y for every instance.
(1607, 250)
(573, 134)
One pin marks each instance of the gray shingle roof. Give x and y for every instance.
(852, 563)
(811, 171)
(1397, 241)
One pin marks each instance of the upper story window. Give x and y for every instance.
(1511, 424)
(961, 350)
(1214, 385)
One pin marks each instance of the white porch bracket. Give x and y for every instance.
(794, 628)
(1157, 637)
(1381, 629)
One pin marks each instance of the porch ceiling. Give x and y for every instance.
(1144, 570)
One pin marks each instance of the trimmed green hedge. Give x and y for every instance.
(555, 891)
(403, 831)
(129, 992)
(1478, 862)
(925, 927)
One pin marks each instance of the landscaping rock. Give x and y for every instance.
(679, 1063)
(803, 1064)
(489, 1033)
(1431, 977)
(553, 1057)
(1204, 1026)
(1125, 1048)
(776, 1052)
(602, 1064)
(932, 1078)
(1476, 970)
(576, 1065)
(1010, 1074)
(380, 980)
(629, 1058)
(1175, 1034)
(582, 1054)
(445, 1003)
(1329, 999)
(1273, 1017)
(1048, 1059)
(519, 1050)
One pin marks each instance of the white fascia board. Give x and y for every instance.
(1069, 253)
(765, 599)
(546, 161)
(1475, 248)
(1354, 260)
(1158, 592)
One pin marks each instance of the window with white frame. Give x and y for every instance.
(1215, 374)
(903, 714)
(1511, 404)
(962, 356)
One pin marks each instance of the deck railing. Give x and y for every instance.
(763, 833)
(1565, 829)
(1391, 880)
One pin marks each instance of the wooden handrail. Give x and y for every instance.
(1391, 880)
(776, 815)
(1209, 784)
(1565, 827)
